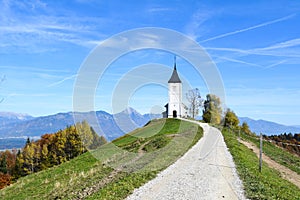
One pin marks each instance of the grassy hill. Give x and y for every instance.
(113, 170)
(268, 184)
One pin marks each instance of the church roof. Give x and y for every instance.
(174, 78)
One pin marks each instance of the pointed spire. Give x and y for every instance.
(174, 62)
(174, 78)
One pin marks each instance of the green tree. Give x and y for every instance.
(212, 109)
(3, 164)
(27, 141)
(18, 171)
(231, 120)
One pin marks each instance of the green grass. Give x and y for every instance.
(124, 186)
(277, 154)
(265, 185)
(59, 181)
(140, 154)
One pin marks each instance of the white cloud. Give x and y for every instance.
(238, 61)
(31, 69)
(35, 29)
(275, 64)
(194, 28)
(286, 52)
(159, 9)
(63, 80)
(249, 28)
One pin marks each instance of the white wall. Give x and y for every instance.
(175, 99)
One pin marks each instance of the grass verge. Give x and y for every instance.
(265, 185)
(277, 154)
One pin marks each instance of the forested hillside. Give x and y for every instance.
(50, 150)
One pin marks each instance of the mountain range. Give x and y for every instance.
(10, 117)
(111, 125)
(267, 127)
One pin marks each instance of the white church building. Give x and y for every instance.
(175, 108)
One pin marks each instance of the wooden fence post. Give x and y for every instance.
(239, 136)
(260, 152)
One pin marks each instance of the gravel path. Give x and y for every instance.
(206, 171)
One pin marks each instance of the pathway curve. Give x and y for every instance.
(206, 171)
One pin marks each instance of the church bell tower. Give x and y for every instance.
(175, 95)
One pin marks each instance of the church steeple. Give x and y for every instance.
(174, 78)
(175, 62)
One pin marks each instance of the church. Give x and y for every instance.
(175, 108)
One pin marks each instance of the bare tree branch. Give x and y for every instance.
(194, 98)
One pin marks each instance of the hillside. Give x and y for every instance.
(270, 183)
(145, 151)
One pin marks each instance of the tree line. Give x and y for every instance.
(51, 149)
(290, 142)
(212, 111)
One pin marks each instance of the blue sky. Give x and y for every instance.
(255, 45)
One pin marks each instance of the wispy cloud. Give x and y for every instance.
(194, 27)
(239, 61)
(281, 45)
(249, 28)
(63, 80)
(32, 69)
(159, 9)
(275, 64)
(37, 27)
(286, 52)
(282, 49)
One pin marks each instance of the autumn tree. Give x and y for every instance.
(245, 128)
(212, 109)
(73, 146)
(45, 163)
(84, 131)
(29, 159)
(231, 120)
(10, 159)
(194, 98)
(5, 180)
(89, 137)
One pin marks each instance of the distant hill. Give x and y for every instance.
(267, 127)
(112, 126)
